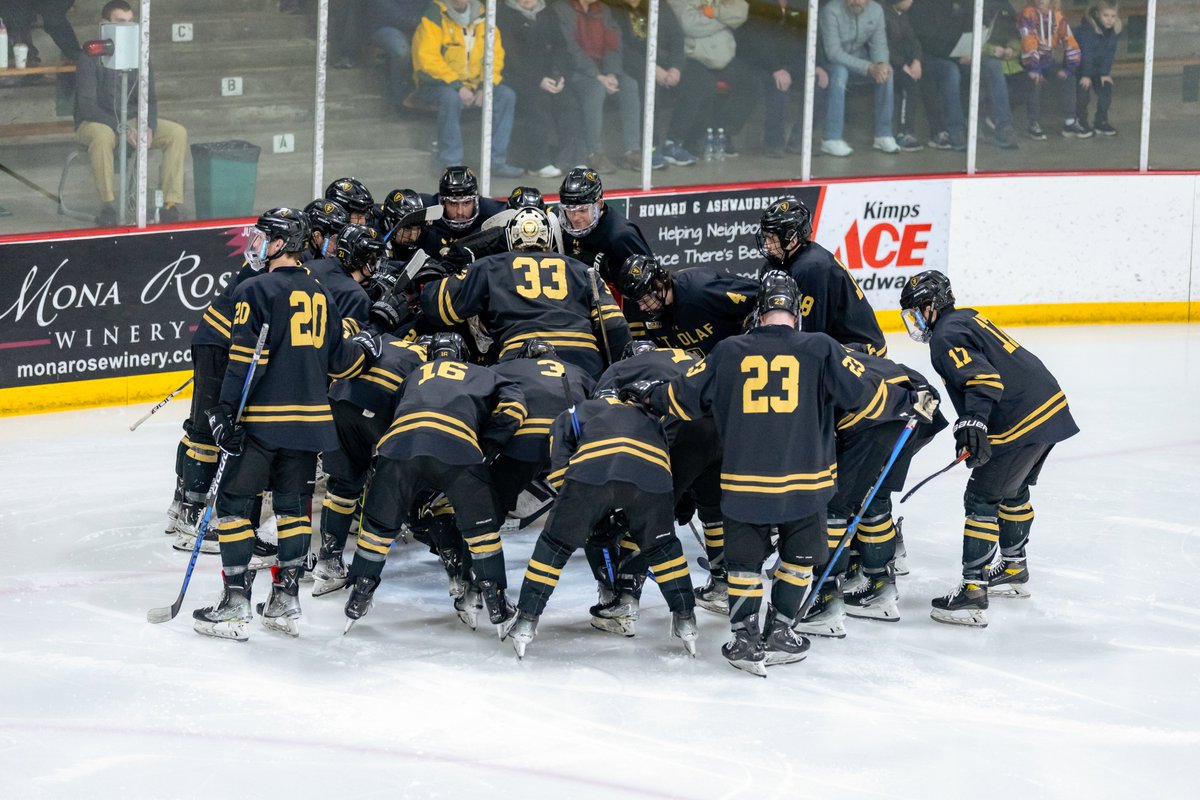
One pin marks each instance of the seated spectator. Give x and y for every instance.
(773, 44)
(668, 71)
(1098, 33)
(854, 39)
(346, 32)
(390, 25)
(904, 52)
(448, 63)
(20, 16)
(596, 72)
(999, 60)
(542, 132)
(97, 97)
(710, 47)
(1044, 29)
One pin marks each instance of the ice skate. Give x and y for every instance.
(310, 563)
(826, 616)
(619, 615)
(683, 627)
(853, 580)
(521, 632)
(187, 518)
(900, 559)
(185, 539)
(878, 599)
(452, 562)
(229, 618)
(500, 611)
(746, 651)
(173, 511)
(965, 605)
(1009, 578)
(265, 554)
(359, 602)
(714, 595)
(780, 644)
(467, 606)
(281, 612)
(329, 573)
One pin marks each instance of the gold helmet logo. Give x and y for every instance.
(912, 281)
(329, 208)
(398, 196)
(635, 271)
(372, 231)
(783, 206)
(591, 176)
(345, 186)
(517, 192)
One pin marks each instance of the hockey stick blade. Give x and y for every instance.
(947, 468)
(161, 403)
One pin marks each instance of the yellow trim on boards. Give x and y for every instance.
(1071, 314)
(69, 395)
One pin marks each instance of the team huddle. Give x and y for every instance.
(460, 367)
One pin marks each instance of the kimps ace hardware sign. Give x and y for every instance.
(886, 232)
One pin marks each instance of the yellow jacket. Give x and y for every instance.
(439, 50)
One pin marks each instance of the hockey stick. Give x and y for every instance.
(161, 403)
(599, 315)
(862, 509)
(952, 464)
(168, 613)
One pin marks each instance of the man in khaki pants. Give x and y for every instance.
(97, 97)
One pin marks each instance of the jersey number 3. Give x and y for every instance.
(760, 373)
(309, 316)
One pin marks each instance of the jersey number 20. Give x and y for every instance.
(309, 315)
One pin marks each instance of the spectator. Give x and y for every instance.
(345, 32)
(391, 24)
(1098, 33)
(939, 24)
(448, 61)
(854, 38)
(904, 52)
(1044, 29)
(97, 100)
(21, 15)
(597, 71)
(710, 45)
(1000, 58)
(773, 44)
(668, 70)
(542, 137)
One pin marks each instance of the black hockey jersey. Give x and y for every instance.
(350, 298)
(655, 365)
(530, 295)
(374, 389)
(616, 442)
(449, 410)
(990, 376)
(287, 404)
(215, 324)
(707, 306)
(614, 237)
(439, 234)
(541, 381)
(832, 301)
(772, 393)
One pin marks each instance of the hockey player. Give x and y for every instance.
(526, 197)
(608, 454)
(464, 211)
(1011, 413)
(404, 217)
(772, 393)
(352, 195)
(531, 293)
(325, 221)
(451, 419)
(346, 277)
(831, 301)
(594, 233)
(286, 420)
(690, 310)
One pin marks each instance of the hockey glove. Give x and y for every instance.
(638, 393)
(925, 403)
(390, 312)
(228, 435)
(431, 270)
(370, 342)
(970, 435)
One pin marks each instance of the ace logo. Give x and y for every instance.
(884, 244)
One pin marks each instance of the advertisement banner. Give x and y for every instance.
(886, 232)
(108, 307)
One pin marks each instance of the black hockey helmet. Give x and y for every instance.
(526, 197)
(283, 223)
(352, 194)
(537, 348)
(446, 344)
(326, 216)
(927, 290)
(360, 247)
(636, 347)
(778, 292)
(580, 187)
(787, 218)
(642, 277)
(399, 204)
(459, 182)
(529, 229)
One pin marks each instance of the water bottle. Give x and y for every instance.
(3, 45)
(710, 145)
(720, 147)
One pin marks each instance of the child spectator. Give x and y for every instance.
(1044, 28)
(1098, 34)
(904, 51)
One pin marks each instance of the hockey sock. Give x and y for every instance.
(981, 535)
(714, 546)
(236, 537)
(1016, 520)
(876, 539)
(745, 592)
(836, 527)
(445, 536)
(337, 512)
(541, 575)
(487, 557)
(630, 568)
(790, 587)
(374, 541)
(669, 567)
(295, 534)
(199, 466)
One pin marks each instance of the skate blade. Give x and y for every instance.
(519, 647)
(824, 630)
(457, 587)
(690, 646)
(967, 617)
(233, 630)
(900, 566)
(285, 625)
(185, 544)
(881, 613)
(349, 625)
(1010, 590)
(775, 659)
(262, 562)
(468, 619)
(622, 626)
(758, 668)
(714, 607)
(324, 586)
(502, 628)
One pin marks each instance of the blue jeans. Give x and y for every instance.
(449, 106)
(399, 63)
(947, 76)
(835, 113)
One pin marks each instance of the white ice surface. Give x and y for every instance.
(1089, 689)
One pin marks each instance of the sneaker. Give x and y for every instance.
(600, 162)
(826, 616)
(107, 217)
(1009, 579)
(1036, 133)
(521, 632)
(1006, 138)
(1104, 129)
(780, 644)
(657, 160)
(1076, 129)
(886, 144)
(503, 170)
(619, 615)
(909, 143)
(548, 171)
(714, 595)
(958, 140)
(172, 213)
(683, 628)
(746, 650)
(877, 600)
(836, 147)
(940, 141)
(966, 604)
(677, 155)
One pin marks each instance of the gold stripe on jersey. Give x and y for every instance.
(513, 409)
(243, 354)
(986, 379)
(382, 377)
(353, 369)
(673, 404)
(297, 413)
(607, 311)
(780, 484)
(350, 327)
(557, 338)
(217, 321)
(872, 410)
(1035, 418)
(434, 420)
(622, 444)
(535, 426)
(637, 330)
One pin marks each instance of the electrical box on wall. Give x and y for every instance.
(126, 38)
